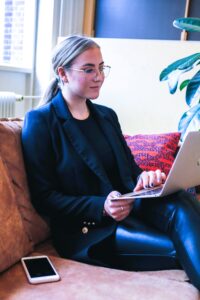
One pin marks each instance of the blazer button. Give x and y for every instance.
(84, 230)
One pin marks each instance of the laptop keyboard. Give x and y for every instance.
(150, 192)
(144, 192)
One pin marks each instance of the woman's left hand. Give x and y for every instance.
(150, 179)
(117, 209)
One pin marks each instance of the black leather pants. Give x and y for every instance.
(162, 233)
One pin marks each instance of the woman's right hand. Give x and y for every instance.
(117, 209)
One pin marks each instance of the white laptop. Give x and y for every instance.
(184, 174)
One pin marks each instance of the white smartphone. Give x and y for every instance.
(39, 269)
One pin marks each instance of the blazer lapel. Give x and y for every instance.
(78, 140)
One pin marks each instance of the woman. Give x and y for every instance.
(77, 161)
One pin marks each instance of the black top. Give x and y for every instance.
(102, 148)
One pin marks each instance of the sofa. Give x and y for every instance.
(24, 233)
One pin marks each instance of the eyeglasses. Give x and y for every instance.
(92, 72)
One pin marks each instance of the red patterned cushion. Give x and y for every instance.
(154, 151)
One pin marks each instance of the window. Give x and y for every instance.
(17, 28)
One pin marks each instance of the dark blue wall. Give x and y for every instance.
(141, 19)
(194, 12)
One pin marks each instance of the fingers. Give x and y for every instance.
(150, 179)
(160, 177)
(114, 194)
(122, 213)
(117, 209)
(143, 181)
(139, 184)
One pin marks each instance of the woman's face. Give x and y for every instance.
(84, 77)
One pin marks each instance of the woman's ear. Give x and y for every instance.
(62, 74)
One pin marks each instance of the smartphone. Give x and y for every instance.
(39, 269)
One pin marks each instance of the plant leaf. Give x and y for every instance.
(188, 24)
(173, 79)
(190, 120)
(184, 84)
(185, 64)
(193, 90)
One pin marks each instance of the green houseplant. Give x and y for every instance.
(190, 120)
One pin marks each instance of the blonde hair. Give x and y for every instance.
(63, 55)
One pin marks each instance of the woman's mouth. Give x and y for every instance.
(94, 88)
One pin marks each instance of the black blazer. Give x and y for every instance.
(67, 181)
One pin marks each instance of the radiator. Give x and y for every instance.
(7, 104)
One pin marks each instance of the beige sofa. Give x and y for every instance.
(23, 232)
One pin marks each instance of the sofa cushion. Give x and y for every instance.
(11, 152)
(14, 242)
(82, 281)
(154, 151)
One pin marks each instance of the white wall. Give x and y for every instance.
(133, 89)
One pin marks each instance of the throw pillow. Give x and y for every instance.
(154, 151)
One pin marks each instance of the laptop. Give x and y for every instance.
(184, 173)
